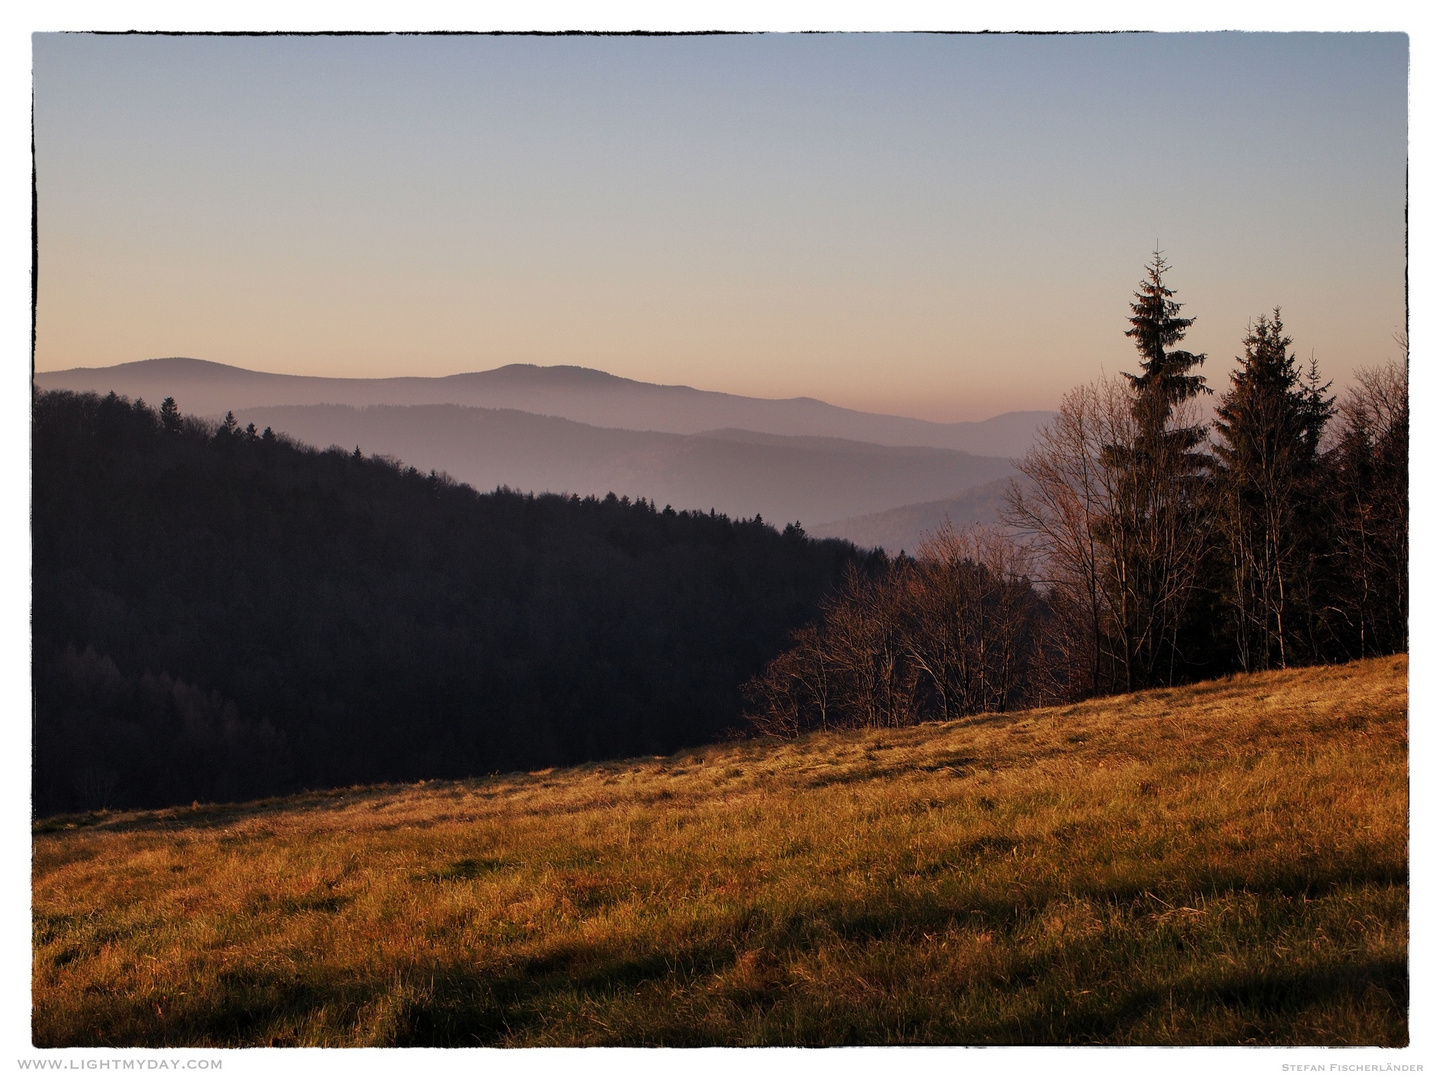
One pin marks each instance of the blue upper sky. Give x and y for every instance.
(941, 225)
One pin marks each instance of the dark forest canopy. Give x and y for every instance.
(224, 614)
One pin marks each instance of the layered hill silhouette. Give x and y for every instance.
(877, 480)
(740, 473)
(582, 394)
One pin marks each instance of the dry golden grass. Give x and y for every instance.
(1223, 863)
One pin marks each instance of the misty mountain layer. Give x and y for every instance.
(903, 528)
(740, 473)
(592, 397)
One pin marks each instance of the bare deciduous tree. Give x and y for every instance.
(864, 629)
(794, 694)
(969, 604)
(947, 634)
(1118, 532)
(1370, 508)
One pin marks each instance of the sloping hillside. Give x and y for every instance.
(1223, 863)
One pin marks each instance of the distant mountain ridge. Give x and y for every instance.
(585, 395)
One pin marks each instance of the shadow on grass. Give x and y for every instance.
(626, 994)
(522, 1008)
(631, 991)
(1267, 1009)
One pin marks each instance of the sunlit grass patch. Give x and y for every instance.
(1223, 863)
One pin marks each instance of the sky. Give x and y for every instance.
(944, 226)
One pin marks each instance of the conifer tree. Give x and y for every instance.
(170, 414)
(1165, 380)
(1269, 426)
(1153, 534)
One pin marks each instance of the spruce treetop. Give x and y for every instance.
(1271, 402)
(1165, 380)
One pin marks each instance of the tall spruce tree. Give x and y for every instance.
(1153, 534)
(1165, 381)
(1269, 426)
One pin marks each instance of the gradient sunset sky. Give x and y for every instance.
(946, 226)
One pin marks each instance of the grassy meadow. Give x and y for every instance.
(1221, 863)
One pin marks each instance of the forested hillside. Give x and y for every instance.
(223, 614)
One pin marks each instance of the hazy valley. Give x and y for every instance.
(904, 528)
(783, 478)
(575, 430)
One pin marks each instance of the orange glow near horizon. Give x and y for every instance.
(946, 228)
